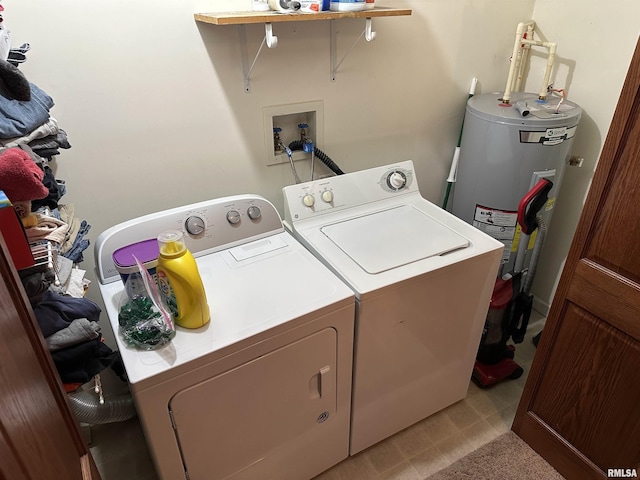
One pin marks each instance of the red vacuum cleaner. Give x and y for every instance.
(511, 303)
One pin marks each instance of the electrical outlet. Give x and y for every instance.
(287, 118)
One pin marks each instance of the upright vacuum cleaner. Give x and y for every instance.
(511, 303)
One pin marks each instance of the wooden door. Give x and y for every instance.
(580, 408)
(39, 437)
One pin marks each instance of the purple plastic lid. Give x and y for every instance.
(145, 251)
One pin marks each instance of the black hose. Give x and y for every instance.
(324, 158)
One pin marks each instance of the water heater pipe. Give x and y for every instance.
(524, 55)
(523, 43)
(547, 74)
(516, 57)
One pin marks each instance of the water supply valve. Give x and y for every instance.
(303, 131)
(277, 142)
(307, 146)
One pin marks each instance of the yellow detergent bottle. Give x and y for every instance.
(179, 281)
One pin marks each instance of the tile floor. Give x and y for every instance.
(120, 451)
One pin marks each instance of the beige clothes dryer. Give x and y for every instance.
(263, 390)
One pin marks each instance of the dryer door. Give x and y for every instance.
(265, 418)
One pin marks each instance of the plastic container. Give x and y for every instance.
(347, 5)
(312, 6)
(179, 281)
(371, 4)
(260, 5)
(123, 258)
(286, 6)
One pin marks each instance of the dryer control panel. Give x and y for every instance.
(332, 194)
(208, 226)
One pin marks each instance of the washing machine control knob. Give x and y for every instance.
(308, 200)
(254, 212)
(327, 196)
(194, 225)
(396, 180)
(233, 217)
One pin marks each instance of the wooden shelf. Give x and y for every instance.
(241, 18)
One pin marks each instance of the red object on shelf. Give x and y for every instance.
(14, 235)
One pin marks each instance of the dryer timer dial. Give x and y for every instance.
(194, 225)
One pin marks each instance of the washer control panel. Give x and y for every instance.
(327, 196)
(310, 199)
(208, 227)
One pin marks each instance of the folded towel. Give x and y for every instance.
(48, 228)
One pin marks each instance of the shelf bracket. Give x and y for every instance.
(367, 33)
(269, 39)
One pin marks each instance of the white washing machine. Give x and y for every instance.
(422, 279)
(262, 391)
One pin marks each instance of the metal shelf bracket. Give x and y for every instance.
(367, 33)
(269, 39)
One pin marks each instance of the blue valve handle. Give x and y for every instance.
(307, 146)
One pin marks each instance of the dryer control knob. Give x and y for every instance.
(308, 200)
(254, 212)
(194, 225)
(327, 196)
(233, 217)
(396, 180)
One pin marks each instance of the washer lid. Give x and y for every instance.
(391, 238)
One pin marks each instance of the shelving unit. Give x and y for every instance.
(240, 19)
(237, 18)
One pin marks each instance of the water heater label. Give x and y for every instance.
(551, 136)
(499, 224)
(556, 132)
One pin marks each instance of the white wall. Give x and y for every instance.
(595, 43)
(155, 109)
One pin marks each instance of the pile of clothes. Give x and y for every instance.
(29, 138)
(24, 108)
(55, 285)
(71, 330)
(49, 225)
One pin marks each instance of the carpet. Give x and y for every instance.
(507, 457)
